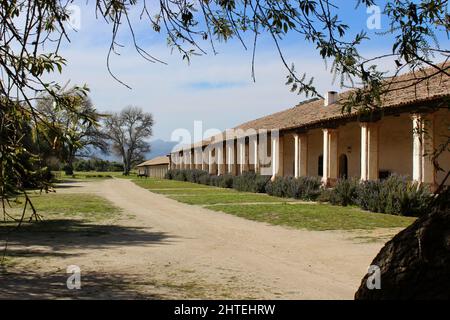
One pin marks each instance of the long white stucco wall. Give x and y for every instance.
(315, 149)
(441, 134)
(349, 144)
(395, 144)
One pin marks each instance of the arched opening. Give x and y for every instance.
(343, 166)
(320, 166)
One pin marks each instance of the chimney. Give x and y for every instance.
(330, 98)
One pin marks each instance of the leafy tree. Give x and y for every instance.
(79, 131)
(96, 164)
(128, 132)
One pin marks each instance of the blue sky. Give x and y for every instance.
(216, 89)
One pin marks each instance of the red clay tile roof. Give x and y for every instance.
(155, 161)
(401, 93)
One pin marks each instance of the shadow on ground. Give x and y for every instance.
(59, 237)
(94, 285)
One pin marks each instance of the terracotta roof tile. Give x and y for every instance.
(155, 161)
(402, 93)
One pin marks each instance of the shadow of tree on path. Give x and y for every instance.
(94, 285)
(65, 238)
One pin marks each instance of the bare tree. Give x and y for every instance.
(129, 131)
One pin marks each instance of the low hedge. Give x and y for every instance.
(395, 195)
(250, 182)
(305, 188)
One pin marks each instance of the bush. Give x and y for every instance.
(169, 174)
(205, 179)
(225, 181)
(185, 175)
(345, 192)
(394, 195)
(250, 182)
(176, 174)
(324, 196)
(194, 175)
(279, 187)
(310, 188)
(305, 188)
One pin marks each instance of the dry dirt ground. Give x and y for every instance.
(161, 248)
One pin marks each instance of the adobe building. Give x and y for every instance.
(155, 168)
(317, 138)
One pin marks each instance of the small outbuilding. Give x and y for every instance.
(155, 168)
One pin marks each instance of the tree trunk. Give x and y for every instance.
(126, 166)
(415, 264)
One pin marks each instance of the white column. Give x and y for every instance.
(210, 159)
(417, 148)
(364, 152)
(296, 156)
(230, 159)
(330, 156)
(275, 157)
(219, 159)
(256, 154)
(326, 162)
(241, 156)
(423, 147)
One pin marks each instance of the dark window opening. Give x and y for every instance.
(343, 166)
(320, 166)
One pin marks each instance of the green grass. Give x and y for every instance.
(209, 199)
(86, 207)
(194, 191)
(273, 210)
(150, 183)
(67, 220)
(315, 216)
(90, 175)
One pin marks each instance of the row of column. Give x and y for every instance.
(228, 161)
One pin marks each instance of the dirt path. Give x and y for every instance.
(184, 251)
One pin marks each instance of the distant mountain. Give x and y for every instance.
(160, 148)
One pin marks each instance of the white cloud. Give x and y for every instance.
(166, 90)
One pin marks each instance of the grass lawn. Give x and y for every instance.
(273, 210)
(194, 191)
(89, 175)
(238, 197)
(315, 216)
(60, 211)
(150, 183)
(84, 206)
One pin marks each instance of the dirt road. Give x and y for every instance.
(182, 251)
